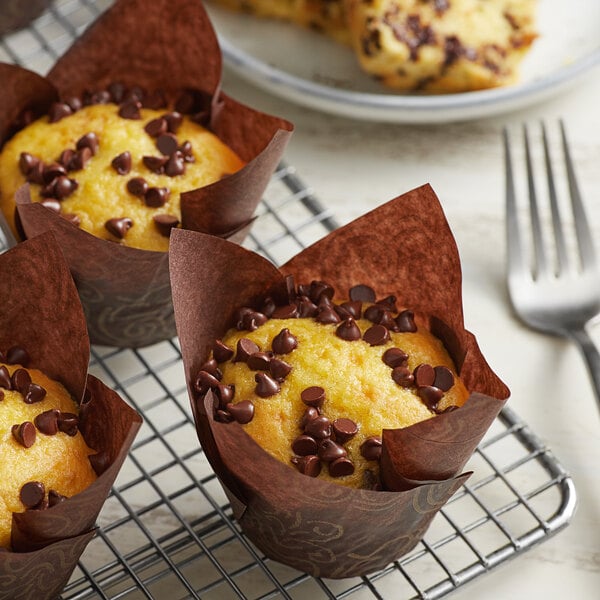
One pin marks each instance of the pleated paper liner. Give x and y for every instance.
(167, 47)
(41, 312)
(404, 248)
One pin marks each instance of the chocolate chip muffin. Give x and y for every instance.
(44, 456)
(115, 170)
(316, 381)
(442, 46)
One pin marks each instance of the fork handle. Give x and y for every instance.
(591, 355)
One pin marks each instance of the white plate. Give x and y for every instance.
(308, 68)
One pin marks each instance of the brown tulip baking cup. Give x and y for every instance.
(166, 46)
(404, 248)
(42, 313)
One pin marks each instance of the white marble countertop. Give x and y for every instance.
(354, 166)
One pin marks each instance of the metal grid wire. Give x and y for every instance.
(167, 529)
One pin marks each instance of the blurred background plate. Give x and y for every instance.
(307, 68)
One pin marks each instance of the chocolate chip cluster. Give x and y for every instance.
(49, 422)
(174, 155)
(321, 441)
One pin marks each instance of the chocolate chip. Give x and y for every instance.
(304, 445)
(224, 394)
(259, 361)
(32, 494)
(330, 450)
(47, 422)
(187, 152)
(309, 414)
(35, 393)
(205, 381)
(251, 320)
(341, 467)
(319, 427)
(156, 197)
(306, 308)
(27, 162)
(242, 412)
(137, 186)
(394, 357)
(156, 164)
(5, 381)
(68, 423)
(52, 171)
(36, 175)
(279, 369)
(327, 315)
(24, 433)
(284, 342)
(173, 120)
(350, 309)
(348, 330)
(245, 348)
(175, 165)
(444, 378)
(63, 187)
(221, 352)
(55, 498)
(406, 322)
(424, 375)
(134, 93)
(362, 293)
(307, 465)
(119, 226)
(156, 127)
(210, 366)
(318, 289)
(89, 140)
(377, 335)
(344, 429)
(58, 111)
(430, 395)
(79, 159)
(288, 311)
(65, 157)
(17, 355)
(265, 385)
(313, 396)
(370, 449)
(100, 97)
(21, 380)
(130, 110)
(449, 408)
(403, 376)
(167, 143)
(389, 303)
(122, 163)
(165, 223)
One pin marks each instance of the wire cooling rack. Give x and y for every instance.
(167, 531)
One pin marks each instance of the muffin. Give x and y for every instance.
(44, 456)
(64, 435)
(116, 171)
(442, 46)
(427, 46)
(417, 467)
(316, 381)
(168, 62)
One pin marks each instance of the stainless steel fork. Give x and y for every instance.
(556, 292)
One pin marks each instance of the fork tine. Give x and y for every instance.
(561, 250)
(584, 236)
(516, 262)
(541, 265)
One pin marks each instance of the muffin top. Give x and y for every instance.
(315, 382)
(116, 171)
(44, 456)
